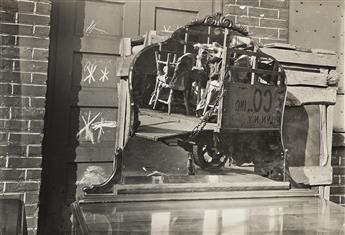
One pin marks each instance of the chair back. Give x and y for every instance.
(182, 73)
(165, 67)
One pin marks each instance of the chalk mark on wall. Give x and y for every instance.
(170, 28)
(93, 27)
(90, 68)
(90, 125)
(105, 73)
(99, 126)
(87, 127)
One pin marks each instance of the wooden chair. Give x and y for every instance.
(174, 76)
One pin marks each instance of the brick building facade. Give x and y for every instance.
(24, 50)
(24, 47)
(266, 20)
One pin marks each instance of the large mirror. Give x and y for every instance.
(204, 104)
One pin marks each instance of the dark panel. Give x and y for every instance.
(171, 19)
(101, 18)
(171, 14)
(92, 70)
(302, 135)
(93, 80)
(91, 154)
(97, 97)
(99, 26)
(95, 125)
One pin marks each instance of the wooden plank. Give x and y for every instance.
(91, 97)
(230, 176)
(121, 115)
(247, 52)
(123, 64)
(339, 114)
(305, 78)
(257, 71)
(128, 112)
(298, 57)
(330, 117)
(325, 156)
(312, 175)
(197, 187)
(281, 45)
(323, 51)
(92, 154)
(301, 68)
(104, 45)
(326, 126)
(292, 194)
(124, 114)
(298, 95)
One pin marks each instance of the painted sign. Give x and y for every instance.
(248, 106)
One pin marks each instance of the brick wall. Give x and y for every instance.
(266, 20)
(338, 163)
(24, 42)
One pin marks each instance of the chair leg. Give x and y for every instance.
(154, 93)
(170, 98)
(157, 96)
(153, 96)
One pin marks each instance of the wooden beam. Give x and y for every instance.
(339, 114)
(200, 187)
(129, 112)
(257, 71)
(248, 52)
(122, 65)
(121, 114)
(326, 131)
(298, 57)
(111, 198)
(329, 119)
(281, 45)
(298, 95)
(306, 78)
